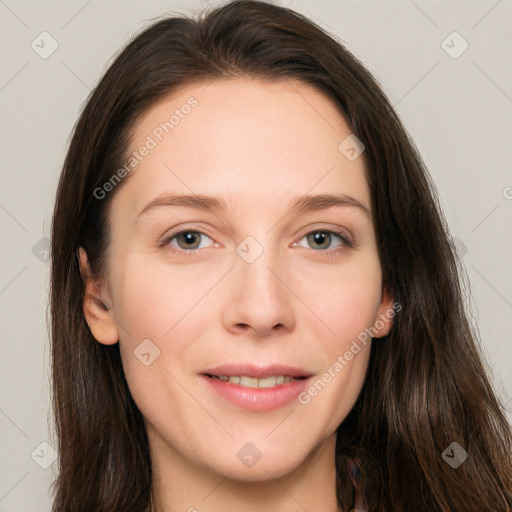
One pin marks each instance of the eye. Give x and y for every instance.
(186, 241)
(323, 239)
(190, 241)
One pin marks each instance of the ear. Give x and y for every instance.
(96, 310)
(385, 313)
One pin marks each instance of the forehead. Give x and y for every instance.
(243, 139)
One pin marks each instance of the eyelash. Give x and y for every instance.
(330, 254)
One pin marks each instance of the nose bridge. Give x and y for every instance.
(255, 262)
(259, 298)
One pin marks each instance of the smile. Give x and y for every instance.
(255, 382)
(258, 394)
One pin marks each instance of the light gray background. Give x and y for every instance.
(458, 110)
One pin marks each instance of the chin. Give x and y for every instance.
(260, 460)
(262, 470)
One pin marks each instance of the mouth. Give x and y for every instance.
(247, 381)
(257, 388)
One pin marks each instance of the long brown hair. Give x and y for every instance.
(426, 386)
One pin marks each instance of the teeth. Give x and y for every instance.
(249, 382)
(267, 382)
(255, 382)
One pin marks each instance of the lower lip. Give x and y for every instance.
(257, 399)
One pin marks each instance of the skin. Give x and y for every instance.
(258, 145)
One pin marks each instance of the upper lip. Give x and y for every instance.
(251, 370)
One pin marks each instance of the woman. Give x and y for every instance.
(255, 301)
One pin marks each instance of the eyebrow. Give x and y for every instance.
(300, 204)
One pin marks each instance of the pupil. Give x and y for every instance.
(189, 238)
(321, 238)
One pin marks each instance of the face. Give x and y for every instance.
(246, 285)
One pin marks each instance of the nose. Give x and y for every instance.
(259, 300)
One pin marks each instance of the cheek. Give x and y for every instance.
(340, 385)
(168, 305)
(153, 299)
(154, 307)
(348, 307)
(345, 300)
